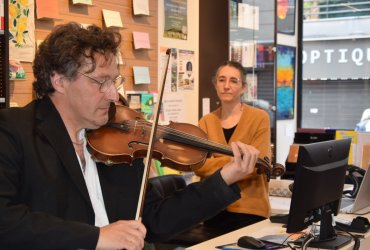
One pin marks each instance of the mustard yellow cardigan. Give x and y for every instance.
(252, 129)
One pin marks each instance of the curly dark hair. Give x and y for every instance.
(233, 64)
(67, 48)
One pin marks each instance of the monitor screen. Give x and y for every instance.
(318, 187)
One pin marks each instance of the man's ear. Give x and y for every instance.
(58, 82)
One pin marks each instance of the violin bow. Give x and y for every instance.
(152, 137)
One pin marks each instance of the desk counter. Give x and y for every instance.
(265, 228)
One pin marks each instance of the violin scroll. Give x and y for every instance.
(264, 167)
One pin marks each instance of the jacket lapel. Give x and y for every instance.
(52, 129)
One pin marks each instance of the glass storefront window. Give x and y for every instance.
(336, 63)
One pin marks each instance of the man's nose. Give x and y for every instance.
(112, 93)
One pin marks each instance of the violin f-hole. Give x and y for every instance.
(130, 144)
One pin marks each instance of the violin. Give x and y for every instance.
(180, 146)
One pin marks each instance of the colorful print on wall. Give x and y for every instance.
(285, 16)
(285, 81)
(22, 30)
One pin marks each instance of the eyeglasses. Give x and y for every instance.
(105, 84)
(222, 79)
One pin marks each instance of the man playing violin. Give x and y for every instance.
(53, 195)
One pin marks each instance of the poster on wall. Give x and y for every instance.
(173, 70)
(285, 16)
(22, 30)
(285, 81)
(180, 74)
(171, 79)
(185, 66)
(175, 19)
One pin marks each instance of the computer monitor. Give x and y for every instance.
(304, 136)
(317, 190)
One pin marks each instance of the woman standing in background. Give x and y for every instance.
(234, 121)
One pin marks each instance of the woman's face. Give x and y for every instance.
(229, 85)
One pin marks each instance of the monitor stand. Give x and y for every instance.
(336, 243)
(327, 238)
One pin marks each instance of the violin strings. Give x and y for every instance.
(172, 131)
(145, 124)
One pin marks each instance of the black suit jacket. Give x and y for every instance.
(44, 202)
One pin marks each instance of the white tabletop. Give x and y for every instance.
(266, 228)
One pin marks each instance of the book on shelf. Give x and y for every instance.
(147, 102)
(134, 101)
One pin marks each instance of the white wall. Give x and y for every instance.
(192, 43)
(285, 129)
